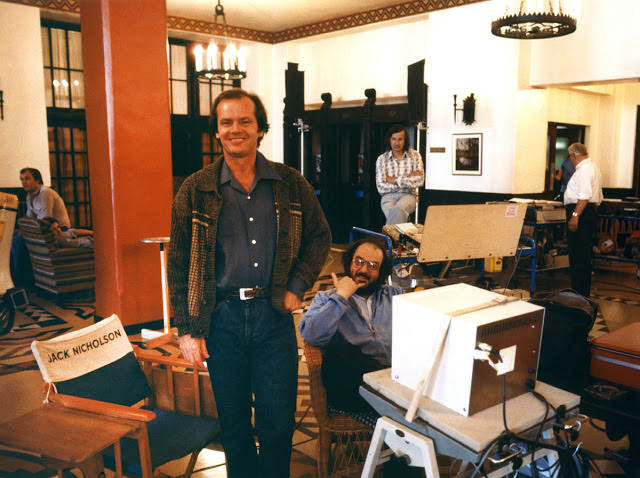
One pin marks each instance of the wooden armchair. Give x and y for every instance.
(96, 370)
(57, 270)
(343, 442)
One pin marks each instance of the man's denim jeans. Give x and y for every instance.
(397, 207)
(253, 348)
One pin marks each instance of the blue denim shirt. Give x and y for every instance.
(330, 313)
(246, 230)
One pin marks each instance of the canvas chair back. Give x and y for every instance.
(95, 362)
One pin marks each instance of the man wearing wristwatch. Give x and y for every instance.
(581, 199)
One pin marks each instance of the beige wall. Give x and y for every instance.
(605, 46)
(607, 111)
(23, 132)
(461, 57)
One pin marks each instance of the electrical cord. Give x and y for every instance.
(571, 461)
(597, 427)
(515, 266)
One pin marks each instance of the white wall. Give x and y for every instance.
(604, 47)
(462, 56)
(23, 132)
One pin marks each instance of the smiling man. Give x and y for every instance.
(352, 322)
(248, 238)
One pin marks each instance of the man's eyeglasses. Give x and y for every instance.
(371, 265)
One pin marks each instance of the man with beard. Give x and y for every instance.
(352, 323)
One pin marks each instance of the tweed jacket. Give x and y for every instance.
(302, 243)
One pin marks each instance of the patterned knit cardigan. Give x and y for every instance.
(302, 244)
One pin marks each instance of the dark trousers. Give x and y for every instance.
(20, 263)
(581, 248)
(253, 350)
(343, 366)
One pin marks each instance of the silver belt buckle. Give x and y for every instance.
(243, 293)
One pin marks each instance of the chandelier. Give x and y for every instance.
(529, 19)
(223, 61)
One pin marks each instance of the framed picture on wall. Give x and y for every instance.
(467, 154)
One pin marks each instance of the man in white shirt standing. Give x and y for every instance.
(581, 199)
(42, 201)
(399, 172)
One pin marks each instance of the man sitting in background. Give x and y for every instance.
(42, 201)
(399, 172)
(67, 236)
(352, 323)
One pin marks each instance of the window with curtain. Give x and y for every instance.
(63, 71)
(65, 100)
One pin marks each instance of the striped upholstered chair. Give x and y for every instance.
(56, 270)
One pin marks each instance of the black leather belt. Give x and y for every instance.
(241, 294)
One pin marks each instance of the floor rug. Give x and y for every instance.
(41, 319)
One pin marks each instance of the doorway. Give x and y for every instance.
(559, 137)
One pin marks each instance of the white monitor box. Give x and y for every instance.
(459, 381)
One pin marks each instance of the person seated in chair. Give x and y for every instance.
(42, 201)
(399, 172)
(67, 236)
(352, 323)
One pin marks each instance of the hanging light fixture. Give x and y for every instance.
(529, 19)
(223, 61)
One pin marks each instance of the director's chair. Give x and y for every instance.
(96, 369)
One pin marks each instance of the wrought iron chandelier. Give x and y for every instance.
(220, 61)
(529, 19)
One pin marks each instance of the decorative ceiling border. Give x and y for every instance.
(62, 5)
(368, 17)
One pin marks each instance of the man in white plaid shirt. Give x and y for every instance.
(399, 172)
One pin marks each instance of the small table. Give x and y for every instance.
(454, 435)
(65, 438)
(163, 276)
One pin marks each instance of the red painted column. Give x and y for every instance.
(124, 50)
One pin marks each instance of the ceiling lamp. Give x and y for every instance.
(220, 62)
(529, 19)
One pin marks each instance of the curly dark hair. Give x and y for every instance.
(236, 94)
(396, 128)
(380, 243)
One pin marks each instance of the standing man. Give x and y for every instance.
(352, 323)
(248, 237)
(581, 199)
(42, 201)
(564, 174)
(399, 172)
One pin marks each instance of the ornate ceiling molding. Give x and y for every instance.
(62, 5)
(369, 17)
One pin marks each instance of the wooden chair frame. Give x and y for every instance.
(176, 386)
(343, 441)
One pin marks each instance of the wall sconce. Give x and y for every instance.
(468, 109)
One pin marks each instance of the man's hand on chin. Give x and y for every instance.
(345, 286)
